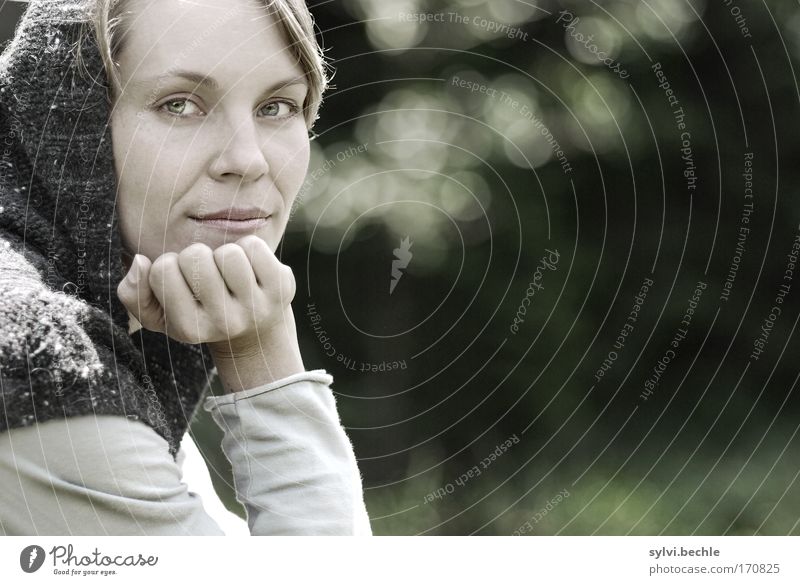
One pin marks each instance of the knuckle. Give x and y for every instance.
(123, 291)
(186, 334)
(234, 327)
(206, 330)
(226, 252)
(190, 261)
(164, 263)
(288, 283)
(196, 250)
(250, 242)
(174, 330)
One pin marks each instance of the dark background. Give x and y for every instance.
(481, 195)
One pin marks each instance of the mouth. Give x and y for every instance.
(235, 219)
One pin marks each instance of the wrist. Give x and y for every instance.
(260, 358)
(256, 342)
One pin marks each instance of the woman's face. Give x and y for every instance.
(209, 119)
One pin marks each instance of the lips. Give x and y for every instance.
(233, 214)
(234, 219)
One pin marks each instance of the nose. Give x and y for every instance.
(241, 155)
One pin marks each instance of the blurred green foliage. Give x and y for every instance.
(474, 182)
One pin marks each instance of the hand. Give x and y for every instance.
(231, 298)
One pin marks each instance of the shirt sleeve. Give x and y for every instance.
(95, 475)
(294, 467)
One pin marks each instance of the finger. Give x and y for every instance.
(272, 276)
(235, 268)
(181, 310)
(137, 296)
(200, 271)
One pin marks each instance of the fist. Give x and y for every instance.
(238, 291)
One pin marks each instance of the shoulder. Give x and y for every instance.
(107, 453)
(95, 474)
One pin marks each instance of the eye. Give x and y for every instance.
(273, 109)
(181, 107)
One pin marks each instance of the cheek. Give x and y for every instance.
(141, 167)
(295, 166)
(127, 206)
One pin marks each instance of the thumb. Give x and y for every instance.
(135, 293)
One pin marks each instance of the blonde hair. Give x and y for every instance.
(292, 16)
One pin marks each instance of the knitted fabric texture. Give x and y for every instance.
(64, 343)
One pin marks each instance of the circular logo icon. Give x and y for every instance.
(31, 558)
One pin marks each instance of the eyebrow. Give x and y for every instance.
(210, 82)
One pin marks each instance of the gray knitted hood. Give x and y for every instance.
(64, 345)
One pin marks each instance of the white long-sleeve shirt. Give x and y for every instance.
(294, 470)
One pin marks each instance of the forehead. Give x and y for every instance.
(233, 40)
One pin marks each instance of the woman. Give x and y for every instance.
(163, 142)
